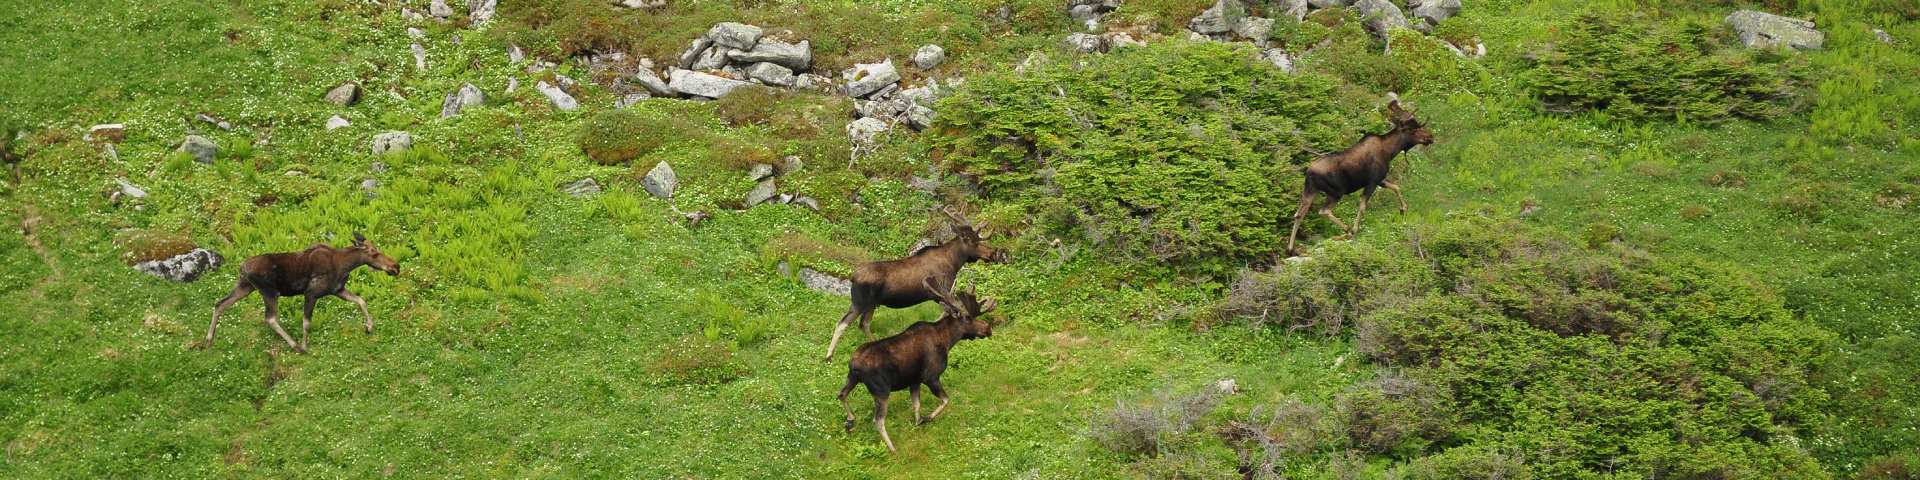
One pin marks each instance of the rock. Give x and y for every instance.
(1883, 36)
(693, 52)
(866, 78)
(561, 100)
(1766, 30)
(660, 181)
(1278, 58)
(1086, 43)
(695, 83)
(642, 3)
(466, 97)
(714, 59)
(211, 120)
(1380, 16)
(797, 57)
(439, 9)
(128, 189)
(1329, 3)
(738, 36)
(1121, 40)
(808, 81)
(929, 56)
(824, 283)
(652, 82)
(1085, 15)
(1255, 29)
(370, 187)
(759, 171)
(335, 123)
(792, 164)
(761, 193)
(1432, 12)
(880, 109)
(419, 57)
(1292, 8)
(923, 184)
(863, 131)
(583, 187)
(345, 94)
(771, 74)
(203, 150)
(808, 202)
(515, 54)
(512, 84)
(919, 116)
(630, 99)
(416, 34)
(182, 268)
(1221, 18)
(1226, 386)
(106, 133)
(481, 11)
(389, 142)
(410, 15)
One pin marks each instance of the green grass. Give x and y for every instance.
(536, 334)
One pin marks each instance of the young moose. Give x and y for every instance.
(1361, 167)
(916, 356)
(897, 283)
(316, 272)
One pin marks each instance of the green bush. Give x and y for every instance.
(613, 137)
(1177, 153)
(1634, 67)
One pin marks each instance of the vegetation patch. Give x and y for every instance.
(1637, 68)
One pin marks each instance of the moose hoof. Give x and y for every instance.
(922, 421)
(849, 425)
(369, 330)
(200, 344)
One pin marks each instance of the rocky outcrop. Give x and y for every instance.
(1381, 16)
(689, 82)
(1429, 13)
(1766, 30)
(865, 79)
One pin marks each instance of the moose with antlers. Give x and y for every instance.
(898, 283)
(1361, 167)
(319, 271)
(916, 356)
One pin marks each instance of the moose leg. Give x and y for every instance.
(916, 405)
(273, 319)
(938, 391)
(1327, 211)
(1306, 203)
(839, 329)
(866, 323)
(1364, 198)
(349, 296)
(880, 416)
(844, 390)
(1397, 194)
(306, 320)
(240, 290)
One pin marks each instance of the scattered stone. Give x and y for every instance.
(644, 4)
(1883, 36)
(481, 11)
(1227, 386)
(1766, 30)
(515, 54)
(582, 188)
(410, 15)
(1278, 58)
(106, 133)
(1329, 3)
(630, 99)
(1255, 29)
(467, 96)
(1292, 8)
(864, 131)
(706, 85)
(1432, 12)
(652, 82)
(738, 36)
(419, 57)
(345, 94)
(335, 123)
(929, 56)
(1219, 19)
(128, 189)
(824, 283)
(215, 121)
(1086, 43)
(389, 142)
(866, 78)
(183, 268)
(203, 150)
(660, 181)
(561, 100)
(920, 117)
(1381, 16)
(1089, 12)
(759, 171)
(761, 193)
(512, 84)
(808, 202)
(1121, 40)
(714, 59)
(370, 187)
(439, 10)
(808, 81)
(416, 33)
(791, 164)
(797, 57)
(771, 74)
(695, 217)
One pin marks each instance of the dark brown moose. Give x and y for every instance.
(897, 283)
(1361, 167)
(916, 356)
(316, 272)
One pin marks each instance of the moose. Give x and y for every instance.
(896, 283)
(916, 356)
(319, 271)
(1361, 167)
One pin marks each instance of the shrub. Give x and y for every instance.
(1344, 282)
(613, 137)
(694, 361)
(1635, 68)
(1394, 414)
(145, 245)
(1156, 426)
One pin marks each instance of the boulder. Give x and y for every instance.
(791, 164)
(106, 133)
(1431, 12)
(652, 82)
(439, 9)
(797, 57)
(128, 189)
(416, 34)
(1766, 30)
(1381, 16)
(630, 99)
(211, 120)
(1255, 29)
(1086, 43)
(808, 81)
(561, 100)
(1121, 40)
(864, 131)
(771, 74)
(660, 181)
(920, 117)
(1329, 3)
(807, 202)
(693, 52)
(866, 78)
(389, 142)
(481, 11)
(1221, 18)
(184, 267)
(880, 109)
(582, 188)
(203, 150)
(467, 96)
(345, 94)
(759, 171)
(761, 193)
(335, 123)
(419, 57)
(1292, 8)
(738, 36)
(1086, 15)
(706, 85)
(641, 3)
(715, 58)
(929, 56)
(824, 283)
(515, 54)
(1278, 58)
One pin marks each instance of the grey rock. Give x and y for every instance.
(515, 54)
(924, 184)
(808, 81)
(561, 100)
(1221, 18)
(792, 164)
(660, 181)
(129, 190)
(1086, 43)
(1766, 30)
(335, 123)
(1381, 16)
(1121, 40)
(439, 9)
(807, 202)
(1255, 29)
(1086, 15)
(761, 193)
(695, 83)
(920, 117)
(481, 11)
(1292, 8)
(866, 78)
(1278, 58)
(582, 188)
(370, 187)
(512, 84)
(183, 268)
(416, 33)
(388, 142)
(419, 57)
(864, 132)
(771, 74)
(880, 109)
(203, 150)
(759, 171)
(467, 96)
(1329, 3)
(824, 283)
(738, 36)
(211, 120)
(642, 3)
(1432, 12)
(630, 99)
(1883, 36)
(797, 57)
(714, 59)
(345, 94)
(652, 82)
(693, 52)
(929, 56)
(106, 133)
(411, 16)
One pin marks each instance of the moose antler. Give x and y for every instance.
(956, 217)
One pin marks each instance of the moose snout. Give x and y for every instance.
(393, 271)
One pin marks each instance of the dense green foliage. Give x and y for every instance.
(1635, 69)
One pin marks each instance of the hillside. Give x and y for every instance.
(1646, 242)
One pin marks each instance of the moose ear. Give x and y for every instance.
(988, 306)
(359, 239)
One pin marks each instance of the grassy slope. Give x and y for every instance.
(99, 382)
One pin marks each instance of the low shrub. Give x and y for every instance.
(694, 361)
(1395, 415)
(145, 245)
(1635, 67)
(1159, 425)
(613, 137)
